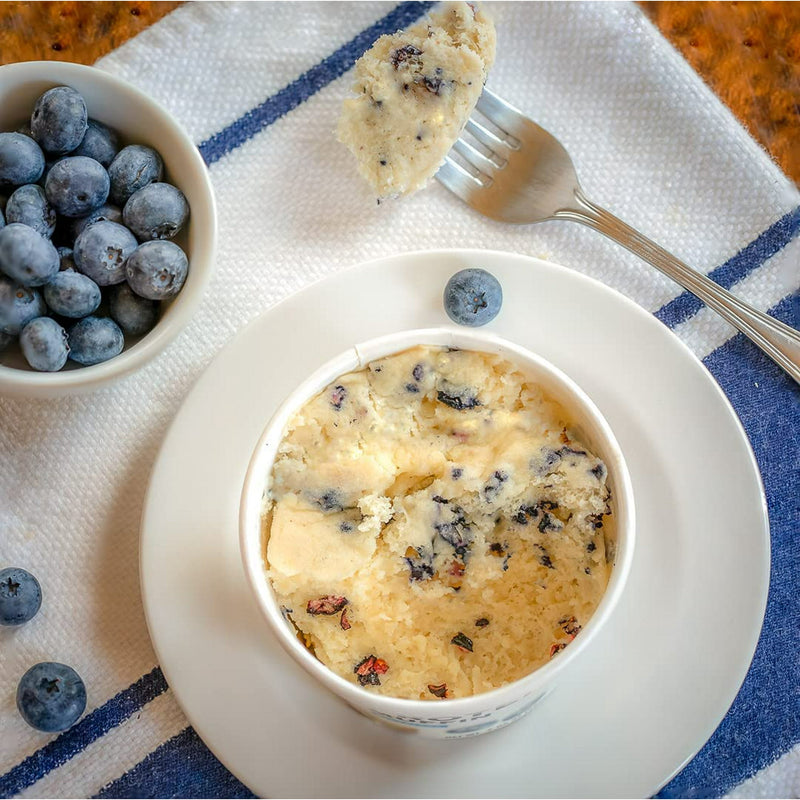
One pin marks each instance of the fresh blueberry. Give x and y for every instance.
(5, 340)
(77, 185)
(44, 344)
(20, 596)
(2, 219)
(71, 294)
(133, 168)
(135, 315)
(157, 211)
(473, 297)
(28, 205)
(27, 257)
(18, 306)
(51, 697)
(157, 270)
(101, 251)
(59, 120)
(21, 159)
(95, 339)
(67, 260)
(106, 213)
(100, 143)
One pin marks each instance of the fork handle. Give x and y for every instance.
(779, 341)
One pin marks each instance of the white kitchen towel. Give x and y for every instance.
(259, 87)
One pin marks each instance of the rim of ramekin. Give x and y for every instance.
(356, 357)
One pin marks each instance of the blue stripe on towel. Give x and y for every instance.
(771, 241)
(308, 84)
(182, 767)
(762, 723)
(79, 736)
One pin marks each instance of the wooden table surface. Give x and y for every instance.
(748, 52)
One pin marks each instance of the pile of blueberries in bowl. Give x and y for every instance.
(86, 236)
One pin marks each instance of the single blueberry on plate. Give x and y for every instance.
(99, 142)
(77, 185)
(20, 596)
(59, 120)
(28, 206)
(135, 315)
(18, 306)
(102, 250)
(27, 257)
(95, 339)
(473, 297)
(51, 697)
(106, 213)
(71, 294)
(157, 270)
(44, 344)
(157, 211)
(21, 160)
(133, 168)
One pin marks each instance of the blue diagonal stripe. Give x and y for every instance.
(79, 736)
(762, 723)
(771, 241)
(308, 84)
(181, 767)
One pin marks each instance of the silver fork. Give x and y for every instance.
(520, 173)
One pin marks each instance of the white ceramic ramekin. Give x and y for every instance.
(139, 120)
(482, 712)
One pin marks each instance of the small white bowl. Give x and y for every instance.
(484, 712)
(139, 120)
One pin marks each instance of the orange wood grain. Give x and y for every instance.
(72, 31)
(749, 54)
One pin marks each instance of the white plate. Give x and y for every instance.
(658, 678)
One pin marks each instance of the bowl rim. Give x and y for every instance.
(259, 468)
(22, 382)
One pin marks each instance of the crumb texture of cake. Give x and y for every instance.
(415, 90)
(433, 527)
